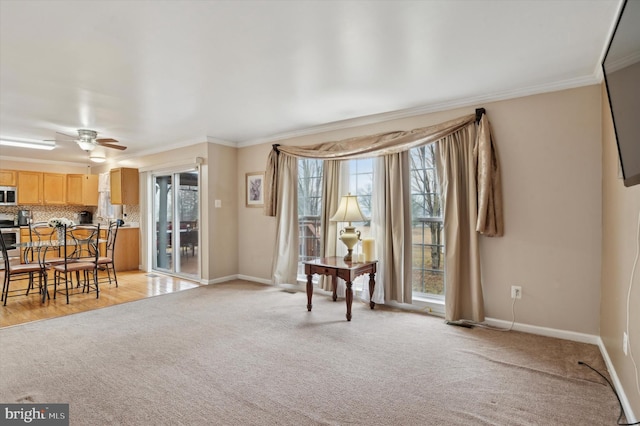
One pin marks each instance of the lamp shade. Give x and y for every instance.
(348, 210)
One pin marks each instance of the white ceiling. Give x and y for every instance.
(159, 74)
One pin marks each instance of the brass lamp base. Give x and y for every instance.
(350, 237)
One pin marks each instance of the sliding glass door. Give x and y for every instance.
(175, 218)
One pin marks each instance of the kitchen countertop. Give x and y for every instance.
(102, 225)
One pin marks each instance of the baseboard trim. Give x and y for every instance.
(626, 406)
(545, 331)
(254, 279)
(219, 280)
(236, 277)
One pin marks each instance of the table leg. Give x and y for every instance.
(334, 284)
(309, 292)
(372, 286)
(349, 300)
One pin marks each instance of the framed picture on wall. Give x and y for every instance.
(255, 189)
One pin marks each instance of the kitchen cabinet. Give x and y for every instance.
(124, 186)
(42, 188)
(54, 190)
(127, 251)
(29, 187)
(8, 178)
(82, 190)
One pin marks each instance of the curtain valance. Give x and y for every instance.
(357, 147)
(379, 144)
(487, 168)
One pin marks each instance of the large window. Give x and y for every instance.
(427, 226)
(309, 208)
(426, 214)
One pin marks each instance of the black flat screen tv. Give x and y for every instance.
(621, 68)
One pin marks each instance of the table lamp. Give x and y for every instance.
(349, 211)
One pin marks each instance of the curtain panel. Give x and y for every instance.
(285, 262)
(490, 221)
(463, 288)
(330, 201)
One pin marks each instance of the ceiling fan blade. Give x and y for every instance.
(67, 137)
(108, 145)
(102, 141)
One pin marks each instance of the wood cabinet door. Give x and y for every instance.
(74, 189)
(127, 251)
(82, 190)
(124, 186)
(8, 178)
(29, 187)
(55, 188)
(90, 190)
(116, 186)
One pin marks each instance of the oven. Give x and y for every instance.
(11, 236)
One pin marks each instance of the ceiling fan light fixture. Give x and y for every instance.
(97, 158)
(86, 145)
(87, 135)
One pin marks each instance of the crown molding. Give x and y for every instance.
(222, 142)
(159, 149)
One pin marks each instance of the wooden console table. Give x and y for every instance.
(336, 267)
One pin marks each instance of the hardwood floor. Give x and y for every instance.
(132, 285)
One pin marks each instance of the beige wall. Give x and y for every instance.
(620, 210)
(256, 232)
(550, 151)
(223, 221)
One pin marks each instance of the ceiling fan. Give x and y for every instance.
(87, 140)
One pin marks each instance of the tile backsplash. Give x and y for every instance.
(44, 213)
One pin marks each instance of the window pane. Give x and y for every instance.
(309, 208)
(427, 226)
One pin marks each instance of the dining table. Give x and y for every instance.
(44, 245)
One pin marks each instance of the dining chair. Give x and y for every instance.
(107, 262)
(80, 247)
(41, 232)
(20, 273)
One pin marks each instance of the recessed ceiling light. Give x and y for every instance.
(48, 145)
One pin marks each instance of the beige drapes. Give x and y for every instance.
(286, 248)
(463, 289)
(330, 201)
(379, 144)
(358, 147)
(490, 222)
(396, 255)
(466, 175)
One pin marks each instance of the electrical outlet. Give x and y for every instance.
(625, 342)
(516, 292)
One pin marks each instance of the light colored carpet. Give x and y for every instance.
(245, 354)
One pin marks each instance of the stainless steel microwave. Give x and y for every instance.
(8, 196)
